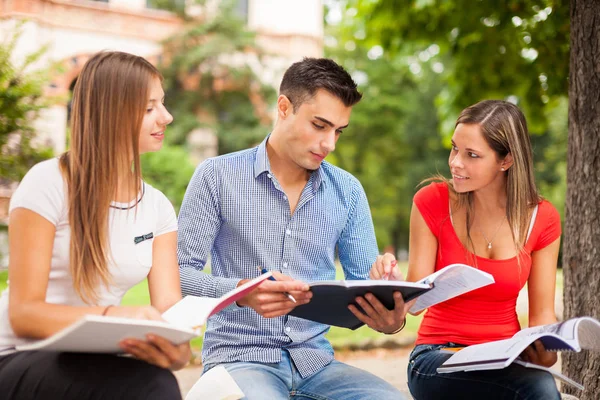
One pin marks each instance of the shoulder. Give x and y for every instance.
(237, 158)
(339, 176)
(42, 190)
(548, 214)
(434, 193)
(225, 164)
(48, 170)
(43, 177)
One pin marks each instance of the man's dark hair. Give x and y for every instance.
(303, 78)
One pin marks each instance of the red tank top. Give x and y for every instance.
(488, 313)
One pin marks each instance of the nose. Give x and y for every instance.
(166, 117)
(455, 161)
(328, 142)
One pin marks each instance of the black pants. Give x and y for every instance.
(51, 375)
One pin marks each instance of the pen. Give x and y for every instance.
(271, 278)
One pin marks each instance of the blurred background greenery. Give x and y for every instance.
(417, 62)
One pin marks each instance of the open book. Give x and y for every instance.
(329, 304)
(571, 335)
(101, 334)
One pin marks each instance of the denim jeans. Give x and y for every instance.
(336, 381)
(514, 382)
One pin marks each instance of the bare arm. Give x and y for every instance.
(422, 247)
(541, 287)
(163, 284)
(163, 279)
(31, 238)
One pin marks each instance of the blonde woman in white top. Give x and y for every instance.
(73, 224)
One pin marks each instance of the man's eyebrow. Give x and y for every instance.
(330, 123)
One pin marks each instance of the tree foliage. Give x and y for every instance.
(21, 99)
(393, 140)
(211, 77)
(516, 50)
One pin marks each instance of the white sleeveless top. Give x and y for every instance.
(42, 191)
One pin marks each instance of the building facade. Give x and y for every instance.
(75, 29)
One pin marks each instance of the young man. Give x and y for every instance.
(280, 206)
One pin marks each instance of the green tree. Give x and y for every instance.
(21, 99)
(211, 80)
(168, 170)
(393, 140)
(512, 49)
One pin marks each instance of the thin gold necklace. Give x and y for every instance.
(489, 242)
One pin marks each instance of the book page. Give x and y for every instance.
(478, 356)
(450, 282)
(583, 332)
(215, 384)
(191, 311)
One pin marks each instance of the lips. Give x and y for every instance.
(319, 156)
(158, 135)
(460, 177)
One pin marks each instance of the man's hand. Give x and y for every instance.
(377, 316)
(385, 267)
(269, 299)
(535, 353)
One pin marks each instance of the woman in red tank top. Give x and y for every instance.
(490, 216)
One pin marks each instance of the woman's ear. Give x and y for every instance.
(507, 162)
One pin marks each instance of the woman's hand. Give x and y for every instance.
(535, 353)
(155, 350)
(158, 351)
(385, 267)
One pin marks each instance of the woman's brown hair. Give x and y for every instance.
(109, 100)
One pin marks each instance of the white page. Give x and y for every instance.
(449, 282)
(215, 384)
(191, 311)
(582, 332)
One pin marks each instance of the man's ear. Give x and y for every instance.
(284, 106)
(507, 162)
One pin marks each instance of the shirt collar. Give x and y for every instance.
(262, 164)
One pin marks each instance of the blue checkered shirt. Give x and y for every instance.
(235, 209)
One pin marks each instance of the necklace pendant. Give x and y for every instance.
(489, 246)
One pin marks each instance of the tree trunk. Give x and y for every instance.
(581, 247)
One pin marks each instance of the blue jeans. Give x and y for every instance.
(336, 381)
(514, 382)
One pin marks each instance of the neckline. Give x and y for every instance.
(455, 235)
(128, 206)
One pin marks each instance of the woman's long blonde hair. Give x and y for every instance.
(504, 128)
(109, 100)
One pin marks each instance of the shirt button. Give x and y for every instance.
(285, 197)
(288, 232)
(285, 265)
(288, 329)
(269, 176)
